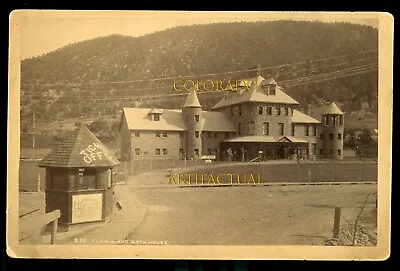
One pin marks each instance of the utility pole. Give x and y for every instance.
(33, 129)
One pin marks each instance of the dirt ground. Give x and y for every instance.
(288, 215)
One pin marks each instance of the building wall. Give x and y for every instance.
(211, 141)
(332, 145)
(250, 113)
(147, 142)
(300, 131)
(125, 143)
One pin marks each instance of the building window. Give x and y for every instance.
(321, 136)
(281, 129)
(158, 152)
(165, 152)
(226, 135)
(339, 136)
(187, 118)
(278, 110)
(231, 111)
(196, 133)
(293, 129)
(260, 110)
(341, 120)
(266, 128)
(334, 120)
(208, 151)
(272, 91)
(330, 136)
(339, 152)
(165, 134)
(326, 120)
(180, 152)
(307, 131)
(156, 117)
(239, 129)
(286, 111)
(196, 152)
(209, 134)
(137, 134)
(180, 134)
(215, 135)
(320, 151)
(314, 130)
(251, 128)
(197, 117)
(314, 148)
(157, 134)
(137, 151)
(269, 110)
(240, 110)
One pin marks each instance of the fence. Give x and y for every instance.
(356, 226)
(273, 171)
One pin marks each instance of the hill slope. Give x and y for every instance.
(199, 49)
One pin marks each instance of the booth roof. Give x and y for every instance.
(80, 148)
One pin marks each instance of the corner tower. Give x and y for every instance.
(192, 116)
(333, 129)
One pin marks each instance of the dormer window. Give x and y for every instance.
(272, 90)
(196, 117)
(155, 114)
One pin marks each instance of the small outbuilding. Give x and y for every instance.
(80, 179)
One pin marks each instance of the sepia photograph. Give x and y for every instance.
(214, 135)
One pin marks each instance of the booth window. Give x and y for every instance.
(59, 179)
(86, 179)
(109, 178)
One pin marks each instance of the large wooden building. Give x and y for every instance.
(263, 122)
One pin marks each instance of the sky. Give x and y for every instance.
(45, 32)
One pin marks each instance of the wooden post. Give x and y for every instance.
(38, 183)
(54, 231)
(336, 223)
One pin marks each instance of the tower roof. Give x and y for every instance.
(192, 100)
(332, 109)
(80, 148)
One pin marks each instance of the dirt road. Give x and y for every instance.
(301, 215)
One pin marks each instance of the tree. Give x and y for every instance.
(365, 136)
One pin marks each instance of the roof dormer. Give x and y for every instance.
(155, 114)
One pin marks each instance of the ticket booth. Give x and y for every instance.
(80, 179)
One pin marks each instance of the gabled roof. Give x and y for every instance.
(216, 121)
(255, 96)
(138, 119)
(172, 120)
(299, 117)
(192, 100)
(80, 148)
(155, 111)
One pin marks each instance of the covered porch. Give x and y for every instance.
(266, 147)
